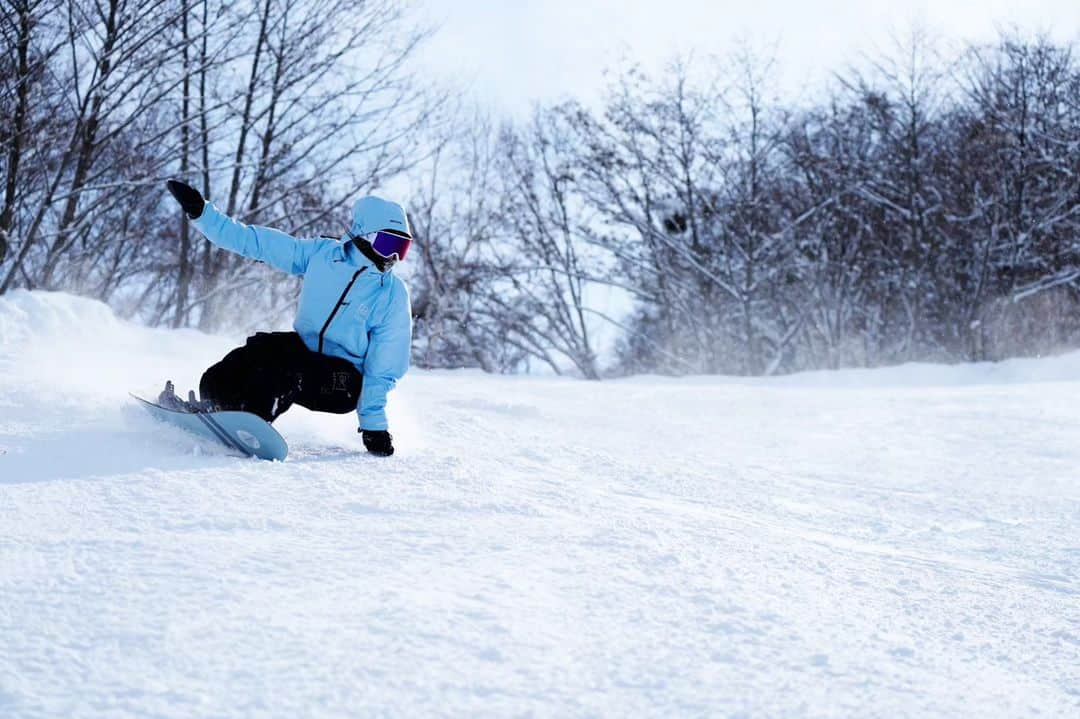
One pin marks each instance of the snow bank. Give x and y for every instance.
(1061, 368)
(538, 546)
(64, 348)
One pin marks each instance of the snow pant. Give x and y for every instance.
(274, 370)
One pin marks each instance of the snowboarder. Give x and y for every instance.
(353, 326)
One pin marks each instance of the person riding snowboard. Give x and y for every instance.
(353, 326)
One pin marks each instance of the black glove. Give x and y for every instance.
(188, 197)
(377, 441)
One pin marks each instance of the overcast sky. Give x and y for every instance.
(512, 53)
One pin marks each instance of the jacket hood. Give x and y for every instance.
(371, 213)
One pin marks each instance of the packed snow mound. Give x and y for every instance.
(645, 547)
(1061, 368)
(26, 316)
(60, 344)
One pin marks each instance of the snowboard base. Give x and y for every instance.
(242, 432)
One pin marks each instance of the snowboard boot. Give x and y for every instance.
(169, 400)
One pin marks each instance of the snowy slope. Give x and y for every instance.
(901, 542)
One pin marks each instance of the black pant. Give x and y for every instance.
(275, 369)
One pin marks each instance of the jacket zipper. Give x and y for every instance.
(341, 301)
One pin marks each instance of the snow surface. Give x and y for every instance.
(900, 542)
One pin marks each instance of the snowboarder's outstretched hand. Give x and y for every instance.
(378, 441)
(189, 198)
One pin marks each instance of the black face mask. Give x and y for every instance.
(382, 264)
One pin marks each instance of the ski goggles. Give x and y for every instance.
(388, 244)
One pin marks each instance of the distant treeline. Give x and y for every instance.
(926, 207)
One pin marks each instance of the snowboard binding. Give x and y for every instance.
(169, 400)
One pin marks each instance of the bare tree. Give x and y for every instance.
(1020, 127)
(324, 115)
(548, 263)
(647, 170)
(109, 98)
(29, 45)
(454, 212)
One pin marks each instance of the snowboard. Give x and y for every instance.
(243, 432)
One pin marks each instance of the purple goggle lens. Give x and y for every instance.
(387, 244)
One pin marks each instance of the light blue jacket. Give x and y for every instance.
(347, 308)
